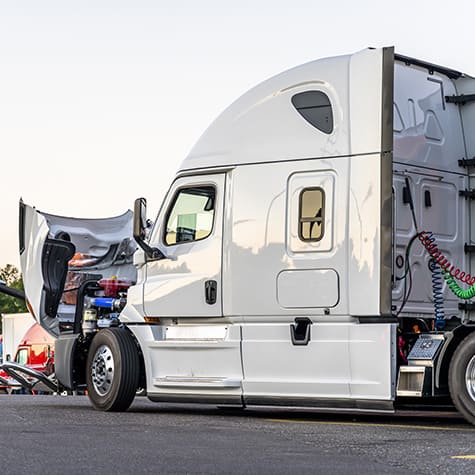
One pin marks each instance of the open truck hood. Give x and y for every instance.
(58, 254)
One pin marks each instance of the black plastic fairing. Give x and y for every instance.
(21, 227)
(54, 262)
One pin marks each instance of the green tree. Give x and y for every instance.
(12, 277)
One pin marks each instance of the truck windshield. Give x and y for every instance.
(22, 356)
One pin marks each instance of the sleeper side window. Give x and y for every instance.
(310, 211)
(191, 215)
(311, 214)
(315, 108)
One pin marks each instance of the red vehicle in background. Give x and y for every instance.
(33, 366)
(35, 351)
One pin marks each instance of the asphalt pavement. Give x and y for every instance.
(58, 435)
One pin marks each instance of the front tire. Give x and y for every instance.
(112, 371)
(462, 378)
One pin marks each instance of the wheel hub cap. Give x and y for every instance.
(102, 370)
(470, 378)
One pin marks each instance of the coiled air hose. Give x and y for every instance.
(448, 270)
(464, 294)
(437, 294)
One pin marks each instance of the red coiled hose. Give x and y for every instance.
(428, 241)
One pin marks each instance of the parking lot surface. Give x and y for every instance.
(54, 434)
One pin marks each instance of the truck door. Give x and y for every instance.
(189, 230)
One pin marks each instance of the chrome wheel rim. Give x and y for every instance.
(470, 378)
(102, 370)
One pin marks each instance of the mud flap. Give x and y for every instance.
(65, 351)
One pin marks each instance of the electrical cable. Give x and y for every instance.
(407, 281)
(411, 202)
(406, 294)
(73, 289)
(421, 320)
(406, 257)
(407, 271)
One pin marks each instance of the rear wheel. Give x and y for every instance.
(462, 378)
(112, 371)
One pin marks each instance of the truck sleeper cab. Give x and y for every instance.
(297, 259)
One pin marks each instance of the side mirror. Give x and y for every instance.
(140, 218)
(140, 224)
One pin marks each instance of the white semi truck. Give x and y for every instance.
(315, 250)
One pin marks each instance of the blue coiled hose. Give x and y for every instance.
(437, 294)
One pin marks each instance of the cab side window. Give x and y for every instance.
(191, 215)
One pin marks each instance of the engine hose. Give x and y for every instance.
(437, 295)
(449, 272)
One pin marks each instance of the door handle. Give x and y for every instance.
(300, 331)
(211, 290)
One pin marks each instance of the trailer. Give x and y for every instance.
(316, 249)
(14, 325)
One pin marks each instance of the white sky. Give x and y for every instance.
(101, 100)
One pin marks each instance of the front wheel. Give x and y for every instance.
(112, 372)
(462, 378)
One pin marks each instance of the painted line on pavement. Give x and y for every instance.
(362, 424)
